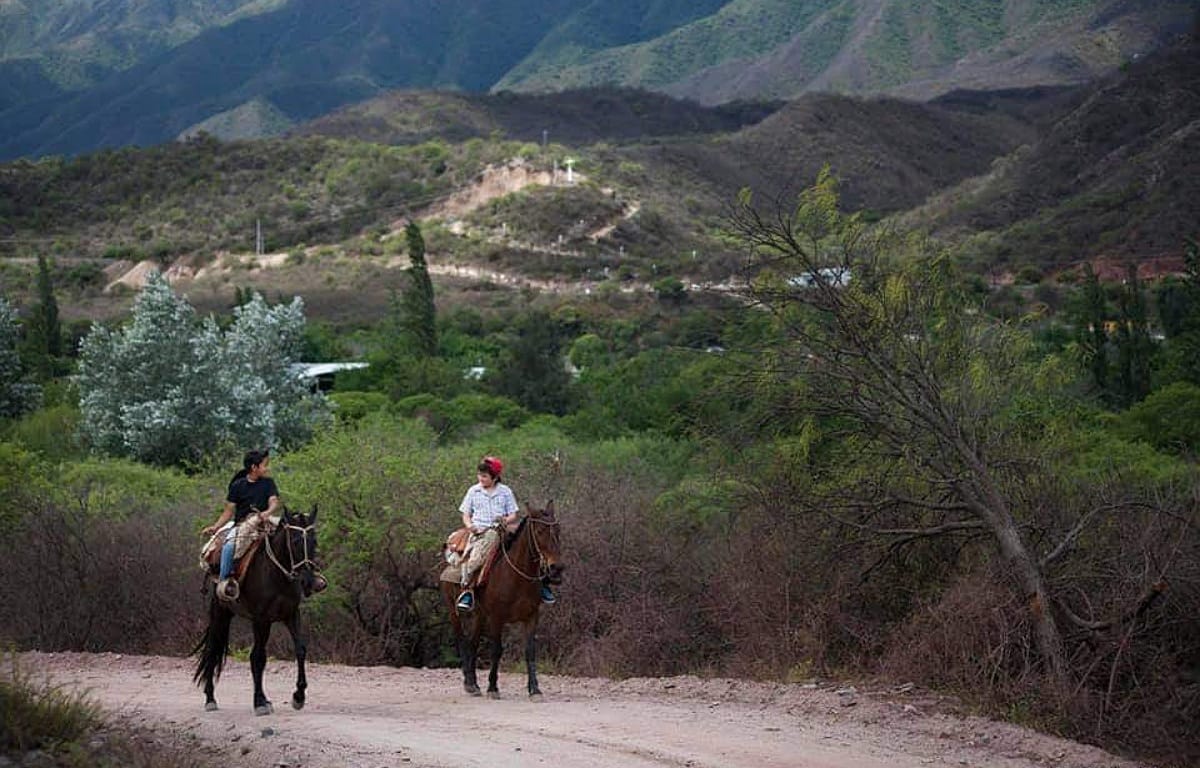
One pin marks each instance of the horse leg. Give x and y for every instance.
(300, 643)
(258, 662)
(497, 648)
(468, 648)
(531, 657)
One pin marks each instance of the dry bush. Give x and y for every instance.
(75, 582)
(633, 595)
(1132, 686)
(971, 637)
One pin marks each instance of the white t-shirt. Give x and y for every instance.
(486, 506)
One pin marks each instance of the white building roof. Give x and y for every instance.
(313, 370)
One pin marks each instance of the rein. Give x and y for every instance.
(290, 575)
(542, 566)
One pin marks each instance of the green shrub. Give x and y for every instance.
(49, 432)
(1168, 419)
(352, 406)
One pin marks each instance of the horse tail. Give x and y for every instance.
(213, 645)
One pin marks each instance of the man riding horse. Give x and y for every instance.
(251, 501)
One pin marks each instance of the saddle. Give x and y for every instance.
(454, 550)
(210, 555)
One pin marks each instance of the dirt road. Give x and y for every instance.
(371, 717)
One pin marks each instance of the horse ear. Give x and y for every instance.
(312, 516)
(549, 510)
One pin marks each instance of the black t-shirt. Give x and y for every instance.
(245, 494)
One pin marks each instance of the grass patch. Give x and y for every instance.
(41, 717)
(48, 725)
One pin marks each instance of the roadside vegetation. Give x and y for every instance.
(860, 459)
(44, 725)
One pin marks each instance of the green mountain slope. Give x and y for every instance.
(49, 46)
(304, 59)
(778, 49)
(156, 68)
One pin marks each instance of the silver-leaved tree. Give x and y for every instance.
(170, 388)
(16, 395)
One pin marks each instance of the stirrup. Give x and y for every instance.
(228, 589)
(466, 601)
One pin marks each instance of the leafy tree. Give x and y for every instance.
(169, 388)
(420, 315)
(918, 387)
(1181, 322)
(1168, 419)
(532, 370)
(670, 290)
(16, 394)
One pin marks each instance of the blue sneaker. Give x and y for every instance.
(466, 601)
(547, 596)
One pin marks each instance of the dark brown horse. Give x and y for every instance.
(511, 595)
(277, 579)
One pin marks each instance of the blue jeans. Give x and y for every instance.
(227, 554)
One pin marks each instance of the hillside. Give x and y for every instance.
(779, 49)
(301, 59)
(70, 45)
(1117, 177)
(304, 59)
(329, 197)
(570, 117)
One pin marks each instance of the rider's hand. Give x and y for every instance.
(208, 530)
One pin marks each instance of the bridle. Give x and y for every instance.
(304, 530)
(543, 566)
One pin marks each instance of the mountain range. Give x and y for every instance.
(78, 75)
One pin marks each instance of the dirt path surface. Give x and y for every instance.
(364, 717)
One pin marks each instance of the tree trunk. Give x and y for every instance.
(990, 505)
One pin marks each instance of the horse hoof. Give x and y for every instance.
(297, 703)
(210, 706)
(535, 695)
(265, 709)
(493, 694)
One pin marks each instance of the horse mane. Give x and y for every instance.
(511, 538)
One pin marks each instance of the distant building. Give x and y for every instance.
(838, 277)
(320, 375)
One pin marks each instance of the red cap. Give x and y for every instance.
(494, 465)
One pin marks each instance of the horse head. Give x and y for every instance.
(300, 531)
(544, 530)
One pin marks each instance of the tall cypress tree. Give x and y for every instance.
(420, 315)
(1094, 339)
(1133, 341)
(48, 310)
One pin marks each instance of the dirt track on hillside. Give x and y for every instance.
(370, 717)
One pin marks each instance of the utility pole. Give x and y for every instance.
(545, 137)
(258, 238)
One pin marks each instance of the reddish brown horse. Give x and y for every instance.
(511, 595)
